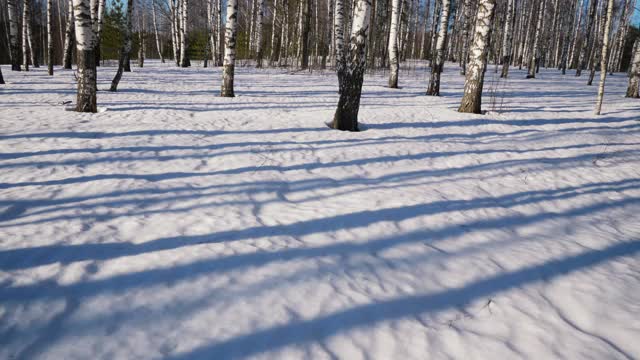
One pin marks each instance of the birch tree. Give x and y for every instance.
(274, 38)
(604, 57)
(230, 49)
(393, 44)
(474, 81)
(346, 115)
(438, 65)
(339, 42)
(587, 38)
(69, 39)
(634, 73)
(125, 51)
(258, 44)
(1, 78)
(184, 21)
(26, 34)
(85, 47)
(507, 39)
(50, 37)
(535, 53)
(155, 30)
(13, 35)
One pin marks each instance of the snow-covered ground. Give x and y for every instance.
(177, 224)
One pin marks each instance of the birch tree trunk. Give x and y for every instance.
(465, 37)
(98, 22)
(604, 57)
(304, 36)
(174, 33)
(339, 41)
(184, 59)
(507, 39)
(258, 41)
(126, 47)
(634, 74)
(1, 78)
(13, 35)
(230, 49)
(587, 38)
(141, 39)
(68, 39)
(284, 42)
(85, 46)
(535, 52)
(474, 81)
(423, 46)
(274, 37)
(155, 30)
(220, 34)
(26, 16)
(438, 65)
(346, 116)
(393, 44)
(50, 37)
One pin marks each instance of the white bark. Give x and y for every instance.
(346, 115)
(604, 57)
(634, 74)
(184, 60)
(230, 49)
(533, 61)
(258, 32)
(393, 44)
(50, 37)
(155, 30)
(68, 38)
(507, 39)
(437, 66)
(13, 35)
(472, 98)
(85, 45)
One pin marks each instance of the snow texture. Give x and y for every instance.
(182, 225)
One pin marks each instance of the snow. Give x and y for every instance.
(182, 225)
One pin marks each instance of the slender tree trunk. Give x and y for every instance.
(304, 38)
(230, 49)
(1, 78)
(85, 46)
(141, 37)
(587, 38)
(184, 59)
(25, 34)
(507, 39)
(597, 45)
(155, 30)
(535, 52)
(346, 115)
(465, 36)
(69, 39)
(474, 81)
(604, 57)
(174, 33)
(634, 74)
(283, 52)
(339, 41)
(438, 65)
(50, 37)
(274, 37)
(13, 35)
(423, 47)
(126, 47)
(393, 44)
(258, 41)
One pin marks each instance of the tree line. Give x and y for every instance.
(351, 37)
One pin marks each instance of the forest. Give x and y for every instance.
(319, 179)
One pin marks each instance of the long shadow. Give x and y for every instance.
(19, 258)
(322, 327)
(556, 161)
